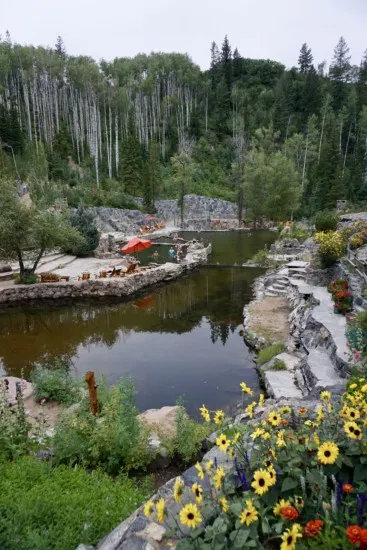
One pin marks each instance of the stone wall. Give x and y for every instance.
(199, 211)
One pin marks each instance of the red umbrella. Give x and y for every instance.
(136, 245)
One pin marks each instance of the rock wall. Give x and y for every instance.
(199, 213)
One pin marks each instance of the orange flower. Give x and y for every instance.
(354, 533)
(347, 488)
(364, 536)
(289, 512)
(302, 410)
(284, 422)
(313, 528)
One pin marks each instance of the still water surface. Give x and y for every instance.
(180, 340)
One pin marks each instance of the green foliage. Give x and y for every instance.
(260, 258)
(27, 279)
(278, 365)
(83, 222)
(55, 385)
(269, 352)
(295, 231)
(187, 442)
(112, 440)
(331, 247)
(23, 228)
(326, 220)
(14, 429)
(43, 507)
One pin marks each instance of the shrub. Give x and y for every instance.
(358, 239)
(295, 231)
(261, 257)
(278, 365)
(269, 352)
(30, 279)
(84, 222)
(43, 507)
(14, 429)
(326, 220)
(55, 385)
(297, 476)
(331, 247)
(112, 440)
(187, 442)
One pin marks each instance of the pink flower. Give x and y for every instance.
(357, 356)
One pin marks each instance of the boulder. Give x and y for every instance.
(163, 419)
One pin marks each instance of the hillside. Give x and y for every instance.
(159, 127)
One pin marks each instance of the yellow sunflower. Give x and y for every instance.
(265, 436)
(280, 439)
(198, 492)
(231, 453)
(325, 396)
(273, 474)
(279, 507)
(320, 414)
(349, 428)
(257, 433)
(353, 414)
(224, 504)
(273, 454)
(364, 388)
(148, 508)
(262, 482)
(218, 477)
(285, 410)
(249, 513)
(161, 510)
(200, 470)
(328, 453)
(208, 465)
(178, 489)
(353, 386)
(290, 536)
(219, 417)
(222, 442)
(261, 399)
(274, 418)
(246, 389)
(205, 413)
(190, 516)
(298, 502)
(237, 436)
(250, 409)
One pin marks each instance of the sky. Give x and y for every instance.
(267, 29)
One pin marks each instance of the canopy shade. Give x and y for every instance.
(136, 245)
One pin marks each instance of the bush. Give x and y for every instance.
(358, 239)
(187, 442)
(278, 365)
(43, 507)
(112, 440)
(331, 247)
(84, 222)
(295, 231)
(326, 220)
(261, 257)
(55, 385)
(30, 279)
(269, 352)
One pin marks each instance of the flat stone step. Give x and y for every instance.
(280, 285)
(59, 263)
(290, 361)
(7, 276)
(323, 370)
(334, 323)
(281, 384)
(277, 290)
(271, 294)
(297, 264)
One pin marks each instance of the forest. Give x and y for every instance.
(278, 141)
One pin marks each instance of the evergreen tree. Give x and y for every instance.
(339, 72)
(305, 59)
(226, 61)
(238, 65)
(132, 163)
(153, 177)
(362, 82)
(83, 221)
(60, 48)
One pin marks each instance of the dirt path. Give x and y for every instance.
(269, 318)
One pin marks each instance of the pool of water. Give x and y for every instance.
(182, 339)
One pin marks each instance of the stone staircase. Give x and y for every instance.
(49, 262)
(317, 352)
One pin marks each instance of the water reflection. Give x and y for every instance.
(183, 339)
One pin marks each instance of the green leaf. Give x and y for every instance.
(241, 538)
(236, 508)
(278, 527)
(289, 484)
(185, 544)
(314, 476)
(265, 526)
(347, 461)
(360, 473)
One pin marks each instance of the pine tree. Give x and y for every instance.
(132, 163)
(153, 177)
(305, 59)
(60, 49)
(238, 65)
(339, 72)
(226, 60)
(362, 82)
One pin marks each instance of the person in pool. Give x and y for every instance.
(171, 252)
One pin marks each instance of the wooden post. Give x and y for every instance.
(92, 386)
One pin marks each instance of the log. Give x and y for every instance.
(92, 387)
